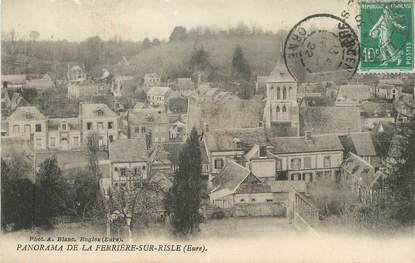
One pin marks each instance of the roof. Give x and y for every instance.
(354, 93)
(228, 114)
(359, 143)
(230, 177)
(317, 143)
(151, 75)
(228, 139)
(376, 109)
(158, 91)
(90, 110)
(53, 124)
(146, 115)
(287, 186)
(40, 83)
(68, 159)
(174, 150)
(26, 113)
(323, 120)
(280, 74)
(358, 167)
(14, 78)
(128, 150)
(185, 83)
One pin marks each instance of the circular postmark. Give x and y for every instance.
(321, 47)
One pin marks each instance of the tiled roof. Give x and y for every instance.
(230, 177)
(26, 113)
(359, 143)
(287, 186)
(68, 159)
(158, 91)
(228, 139)
(323, 120)
(361, 169)
(317, 143)
(376, 109)
(128, 150)
(53, 124)
(90, 110)
(147, 115)
(280, 74)
(40, 83)
(228, 114)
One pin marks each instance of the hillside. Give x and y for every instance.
(261, 51)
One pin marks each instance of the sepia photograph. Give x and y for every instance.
(207, 131)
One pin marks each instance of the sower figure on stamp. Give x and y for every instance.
(383, 30)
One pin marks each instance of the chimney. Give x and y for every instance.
(262, 151)
(308, 136)
(349, 130)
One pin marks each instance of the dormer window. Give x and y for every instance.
(29, 115)
(100, 112)
(64, 126)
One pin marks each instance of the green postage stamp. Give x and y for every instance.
(386, 36)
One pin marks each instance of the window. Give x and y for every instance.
(38, 127)
(52, 142)
(218, 163)
(110, 125)
(307, 162)
(299, 177)
(63, 126)
(296, 163)
(27, 128)
(327, 161)
(269, 200)
(100, 125)
(304, 177)
(279, 164)
(137, 130)
(89, 125)
(111, 138)
(156, 139)
(143, 129)
(253, 200)
(241, 200)
(123, 171)
(100, 113)
(76, 141)
(292, 177)
(100, 141)
(16, 128)
(284, 93)
(278, 93)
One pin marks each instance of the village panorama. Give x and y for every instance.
(204, 134)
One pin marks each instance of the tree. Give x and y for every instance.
(49, 193)
(156, 42)
(199, 61)
(16, 196)
(34, 35)
(183, 201)
(146, 43)
(179, 33)
(240, 67)
(245, 90)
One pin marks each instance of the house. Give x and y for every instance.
(232, 113)
(152, 80)
(118, 84)
(10, 103)
(330, 120)
(361, 144)
(148, 122)
(387, 90)
(225, 144)
(13, 81)
(158, 95)
(28, 122)
(64, 134)
(82, 89)
(177, 131)
(260, 85)
(307, 158)
(43, 83)
(101, 120)
(364, 181)
(352, 95)
(76, 74)
(281, 111)
(130, 162)
(238, 192)
(375, 112)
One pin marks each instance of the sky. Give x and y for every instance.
(76, 20)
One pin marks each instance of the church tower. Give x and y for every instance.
(281, 113)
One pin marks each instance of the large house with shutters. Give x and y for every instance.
(99, 119)
(28, 122)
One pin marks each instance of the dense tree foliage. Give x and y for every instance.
(240, 66)
(183, 201)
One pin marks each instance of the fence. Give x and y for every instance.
(302, 213)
